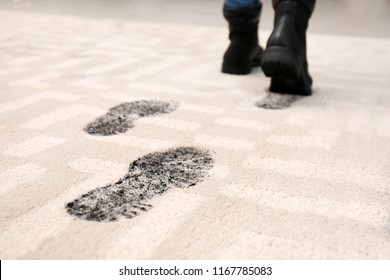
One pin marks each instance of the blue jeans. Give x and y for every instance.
(241, 4)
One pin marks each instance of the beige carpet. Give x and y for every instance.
(308, 181)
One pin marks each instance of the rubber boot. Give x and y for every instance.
(284, 59)
(244, 51)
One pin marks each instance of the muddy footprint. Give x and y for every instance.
(150, 175)
(121, 118)
(275, 101)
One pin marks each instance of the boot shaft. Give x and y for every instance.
(243, 23)
(290, 24)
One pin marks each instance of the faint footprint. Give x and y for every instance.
(120, 118)
(150, 175)
(276, 101)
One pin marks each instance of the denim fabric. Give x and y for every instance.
(241, 4)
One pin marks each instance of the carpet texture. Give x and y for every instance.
(271, 177)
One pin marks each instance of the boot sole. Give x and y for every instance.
(286, 70)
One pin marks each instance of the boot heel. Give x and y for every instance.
(280, 61)
(236, 69)
(286, 70)
(240, 69)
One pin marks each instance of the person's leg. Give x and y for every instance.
(244, 51)
(284, 59)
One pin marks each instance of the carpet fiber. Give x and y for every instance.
(222, 169)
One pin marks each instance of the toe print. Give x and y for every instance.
(277, 101)
(150, 175)
(121, 118)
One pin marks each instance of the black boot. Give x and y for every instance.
(244, 51)
(284, 59)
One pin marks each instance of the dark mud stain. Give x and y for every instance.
(275, 101)
(121, 118)
(150, 175)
